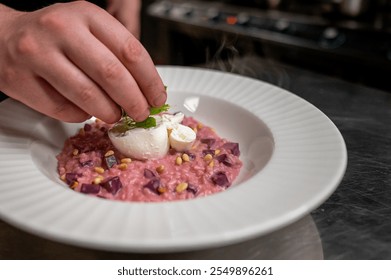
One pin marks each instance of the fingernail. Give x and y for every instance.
(142, 116)
(160, 100)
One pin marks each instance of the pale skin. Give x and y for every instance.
(73, 61)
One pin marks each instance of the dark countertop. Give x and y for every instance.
(354, 223)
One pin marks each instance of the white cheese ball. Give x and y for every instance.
(142, 143)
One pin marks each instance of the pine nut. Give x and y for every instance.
(186, 157)
(178, 161)
(181, 187)
(217, 152)
(208, 157)
(123, 166)
(161, 189)
(97, 180)
(126, 160)
(99, 170)
(109, 153)
(75, 152)
(160, 169)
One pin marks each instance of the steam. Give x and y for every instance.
(229, 58)
(225, 56)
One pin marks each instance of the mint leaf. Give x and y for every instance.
(149, 122)
(158, 110)
(126, 123)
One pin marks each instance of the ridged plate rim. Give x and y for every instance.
(306, 167)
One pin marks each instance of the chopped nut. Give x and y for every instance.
(181, 187)
(74, 185)
(161, 189)
(186, 157)
(99, 170)
(123, 166)
(62, 177)
(160, 169)
(75, 152)
(97, 180)
(217, 152)
(199, 126)
(178, 161)
(126, 160)
(211, 163)
(109, 153)
(208, 157)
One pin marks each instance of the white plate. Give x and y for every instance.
(294, 159)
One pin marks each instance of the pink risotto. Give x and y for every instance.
(90, 164)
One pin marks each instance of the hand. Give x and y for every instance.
(128, 13)
(70, 61)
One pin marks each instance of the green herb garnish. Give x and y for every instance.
(158, 110)
(126, 123)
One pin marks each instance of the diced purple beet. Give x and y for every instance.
(192, 188)
(191, 156)
(233, 147)
(70, 178)
(113, 185)
(208, 141)
(88, 163)
(223, 158)
(87, 127)
(208, 151)
(219, 178)
(110, 161)
(148, 173)
(90, 188)
(153, 185)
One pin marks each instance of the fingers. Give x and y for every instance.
(102, 66)
(133, 56)
(42, 97)
(88, 64)
(53, 104)
(78, 88)
(128, 13)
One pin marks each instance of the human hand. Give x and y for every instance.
(128, 13)
(70, 61)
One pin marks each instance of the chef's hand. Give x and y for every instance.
(127, 12)
(71, 61)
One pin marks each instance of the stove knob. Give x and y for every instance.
(213, 14)
(165, 7)
(330, 33)
(282, 25)
(332, 38)
(243, 19)
(187, 10)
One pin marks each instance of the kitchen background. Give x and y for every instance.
(350, 39)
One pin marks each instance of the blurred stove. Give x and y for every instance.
(338, 37)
